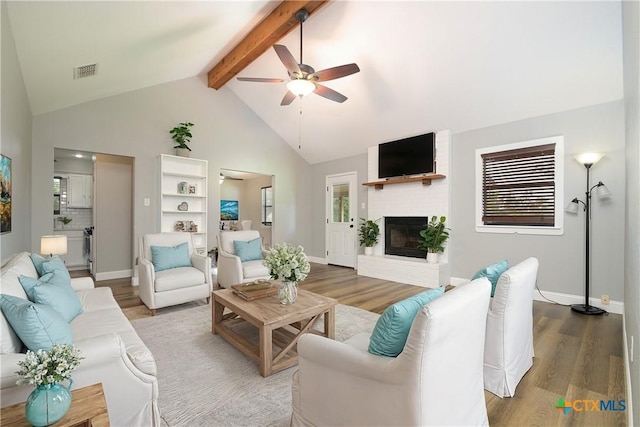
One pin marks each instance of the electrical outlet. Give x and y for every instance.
(604, 299)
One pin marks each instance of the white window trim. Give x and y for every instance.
(558, 228)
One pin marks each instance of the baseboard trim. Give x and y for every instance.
(318, 260)
(615, 307)
(110, 275)
(627, 373)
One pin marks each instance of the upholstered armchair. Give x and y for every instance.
(233, 267)
(170, 271)
(508, 351)
(435, 380)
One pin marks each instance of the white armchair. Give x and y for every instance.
(436, 380)
(175, 285)
(508, 351)
(231, 269)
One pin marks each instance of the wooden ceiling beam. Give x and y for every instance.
(275, 26)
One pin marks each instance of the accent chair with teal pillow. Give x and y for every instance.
(55, 291)
(248, 251)
(493, 273)
(37, 325)
(166, 257)
(392, 328)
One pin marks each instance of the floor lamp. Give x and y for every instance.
(588, 160)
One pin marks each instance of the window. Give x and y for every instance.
(267, 205)
(519, 187)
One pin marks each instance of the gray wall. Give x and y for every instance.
(16, 142)
(631, 40)
(317, 247)
(598, 128)
(137, 124)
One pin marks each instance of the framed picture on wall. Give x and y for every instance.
(5, 194)
(228, 210)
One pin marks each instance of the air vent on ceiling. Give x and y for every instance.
(85, 71)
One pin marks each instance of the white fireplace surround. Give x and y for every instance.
(408, 199)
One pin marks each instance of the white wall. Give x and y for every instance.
(597, 128)
(15, 142)
(137, 124)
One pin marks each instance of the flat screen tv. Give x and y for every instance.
(409, 156)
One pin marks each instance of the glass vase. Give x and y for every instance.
(47, 404)
(288, 292)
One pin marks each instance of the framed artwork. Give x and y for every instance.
(5, 194)
(192, 189)
(228, 210)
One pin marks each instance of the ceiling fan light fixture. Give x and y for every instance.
(301, 87)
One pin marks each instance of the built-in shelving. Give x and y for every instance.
(425, 179)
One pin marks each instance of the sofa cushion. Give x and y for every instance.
(37, 325)
(14, 267)
(493, 273)
(248, 251)
(254, 269)
(392, 328)
(53, 290)
(166, 257)
(178, 278)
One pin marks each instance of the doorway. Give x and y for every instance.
(341, 233)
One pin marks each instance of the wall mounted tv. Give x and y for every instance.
(408, 156)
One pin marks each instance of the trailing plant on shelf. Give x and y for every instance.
(181, 134)
(64, 220)
(369, 232)
(434, 235)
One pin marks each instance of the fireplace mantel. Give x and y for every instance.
(426, 180)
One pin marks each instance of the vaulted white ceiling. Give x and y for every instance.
(424, 65)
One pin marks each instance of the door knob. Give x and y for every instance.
(351, 226)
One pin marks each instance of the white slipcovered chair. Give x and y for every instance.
(173, 286)
(508, 351)
(231, 269)
(436, 380)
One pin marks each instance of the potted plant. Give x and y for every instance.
(181, 134)
(291, 265)
(433, 237)
(369, 233)
(64, 220)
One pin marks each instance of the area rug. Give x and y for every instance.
(204, 381)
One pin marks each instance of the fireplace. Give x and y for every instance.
(401, 234)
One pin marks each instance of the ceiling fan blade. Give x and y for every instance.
(288, 98)
(334, 73)
(329, 93)
(260, 80)
(288, 60)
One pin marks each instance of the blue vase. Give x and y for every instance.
(48, 403)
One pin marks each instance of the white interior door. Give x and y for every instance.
(341, 232)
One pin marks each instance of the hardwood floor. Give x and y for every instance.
(577, 357)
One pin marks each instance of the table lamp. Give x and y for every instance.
(53, 245)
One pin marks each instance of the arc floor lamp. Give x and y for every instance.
(588, 160)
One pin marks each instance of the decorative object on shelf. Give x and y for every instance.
(184, 206)
(181, 134)
(179, 226)
(183, 188)
(192, 189)
(289, 264)
(64, 220)
(433, 237)
(369, 233)
(193, 227)
(5, 194)
(47, 369)
(588, 160)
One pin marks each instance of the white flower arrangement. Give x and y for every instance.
(288, 263)
(48, 367)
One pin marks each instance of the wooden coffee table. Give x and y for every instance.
(279, 326)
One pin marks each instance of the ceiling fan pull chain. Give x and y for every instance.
(300, 127)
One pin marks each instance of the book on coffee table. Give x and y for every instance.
(255, 290)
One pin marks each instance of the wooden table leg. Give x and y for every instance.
(330, 323)
(266, 350)
(216, 314)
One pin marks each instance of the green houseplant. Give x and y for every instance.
(433, 237)
(181, 134)
(369, 233)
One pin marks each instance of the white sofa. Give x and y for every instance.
(113, 353)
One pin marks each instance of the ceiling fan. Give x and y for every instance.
(304, 79)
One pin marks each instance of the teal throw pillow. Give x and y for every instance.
(493, 273)
(38, 326)
(37, 261)
(56, 264)
(166, 257)
(248, 251)
(53, 290)
(392, 328)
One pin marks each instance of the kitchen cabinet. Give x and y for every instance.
(75, 257)
(80, 191)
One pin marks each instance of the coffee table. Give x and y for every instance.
(279, 326)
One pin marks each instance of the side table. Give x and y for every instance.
(88, 409)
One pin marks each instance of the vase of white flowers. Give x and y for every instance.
(289, 264)
(47, 369)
